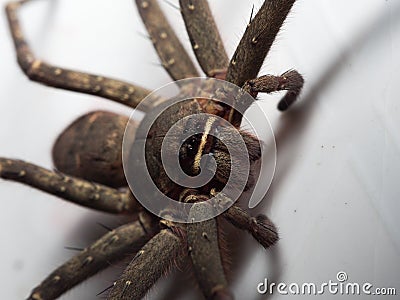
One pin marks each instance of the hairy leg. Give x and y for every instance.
(73, 189)
(205, 254)
(173, 56)
(260, 227)
(204, 36)
(149, 264)
(254, 47)
(111, 247)
(257, 40)
(42, 72)
(291, 81)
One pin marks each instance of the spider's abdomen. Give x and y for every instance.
(91, 148)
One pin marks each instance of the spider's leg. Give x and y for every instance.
(73, 189)
(205, 254)
(291, 81)
(254, 47)
(204, 36)
(149, 264)
(257, 40)
(260, 227)
(173, 56)
(42, 72)
(111, 247)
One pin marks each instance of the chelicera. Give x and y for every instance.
(88, 154)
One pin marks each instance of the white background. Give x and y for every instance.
(335, 194)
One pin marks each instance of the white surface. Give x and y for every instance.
(335, 193)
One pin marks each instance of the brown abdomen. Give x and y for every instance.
(91, 148)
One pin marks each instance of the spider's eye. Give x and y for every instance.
(191, 146)
(188, 152)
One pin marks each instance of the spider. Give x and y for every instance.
(88, 159)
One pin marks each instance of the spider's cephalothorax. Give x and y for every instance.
(208, 141)
(88, 154)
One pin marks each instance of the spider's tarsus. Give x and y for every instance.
(264, 231)
(291, 80)
(261, 227)
(286, 101)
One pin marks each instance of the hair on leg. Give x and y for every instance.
(260, 227)
(42, 72)
(76, 190)
(173, 56)
(110, 248)
(204, 37)
(204, 251)
(291, 80)
(257, 40)
(149, 264)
